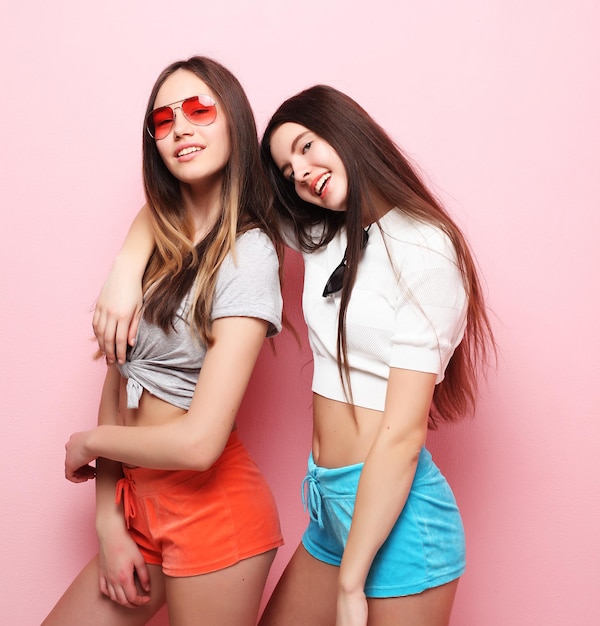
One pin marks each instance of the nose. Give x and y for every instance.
(181, 125)
(301, 169)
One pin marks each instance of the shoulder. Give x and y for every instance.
(410, 238)
(248, 281)
(254, 254)
(253, 249)
(254, 241)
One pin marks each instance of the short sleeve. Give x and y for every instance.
(249, 286)
(430, 314)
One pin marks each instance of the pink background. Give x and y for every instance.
(498, 101)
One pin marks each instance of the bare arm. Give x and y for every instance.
(384, 485)
(119, 556)
(119, 303)
(197, 439)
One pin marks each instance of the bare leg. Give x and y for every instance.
(305, 594)
(228, 597)
(82, 602)
(429, 608)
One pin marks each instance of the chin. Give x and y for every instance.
(333, 206)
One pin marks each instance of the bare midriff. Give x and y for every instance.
(343, 433)
(152, 411)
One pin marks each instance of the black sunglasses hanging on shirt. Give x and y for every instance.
(336, 281)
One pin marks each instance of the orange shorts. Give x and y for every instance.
(198, 522)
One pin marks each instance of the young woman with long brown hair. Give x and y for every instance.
(194, 523)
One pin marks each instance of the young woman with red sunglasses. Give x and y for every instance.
(194, 523)
(400, 333)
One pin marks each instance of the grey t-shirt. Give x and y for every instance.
(168, 364)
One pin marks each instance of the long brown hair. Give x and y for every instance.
(246, 202)
(378, 171)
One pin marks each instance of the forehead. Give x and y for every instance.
(284, 139)
(180, 85)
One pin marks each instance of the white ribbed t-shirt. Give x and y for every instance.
(407, 309)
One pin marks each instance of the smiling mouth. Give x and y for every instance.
(321, 183)
(189, 151)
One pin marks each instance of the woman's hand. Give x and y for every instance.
(119, 304)
(117, 316)
(124, 576)
(352, 609)
(78, 459)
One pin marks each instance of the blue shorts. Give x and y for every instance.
(426, 547)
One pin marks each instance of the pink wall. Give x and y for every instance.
(497, 100)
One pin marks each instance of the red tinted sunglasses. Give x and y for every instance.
(199, 110)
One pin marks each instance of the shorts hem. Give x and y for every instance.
(320, 557)
(397, 591)
(393, 591)
(215, 566)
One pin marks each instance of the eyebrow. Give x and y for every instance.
(293, 147)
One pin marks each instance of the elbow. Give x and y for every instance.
(413, 453)
(407, 447)
(202, 464)
(199, 456)
(199, 444)
(409, 450)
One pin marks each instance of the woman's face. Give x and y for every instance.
(315, 168)
(193, 154)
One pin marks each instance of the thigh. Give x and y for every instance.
(82, 602)
(227, 597)
(305, 594)
(431, 608)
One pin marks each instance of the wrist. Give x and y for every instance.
(126, 267)
(88, 443)
(95, 442)
(107, 524)
(350, 583)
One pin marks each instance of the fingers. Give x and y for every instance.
(104, 586)
(99, 326)
(103, 328)
(114, 334)
(107, 339)
(142, 574)
(121, 338)
(124, 577)
(80, 475)
(119, 595)
(133, 327)
(125, 594)
(130, 594)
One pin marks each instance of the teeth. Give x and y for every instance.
(188, 151)
(319, 186)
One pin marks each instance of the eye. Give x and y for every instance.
(288, 173)
(306, 147)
